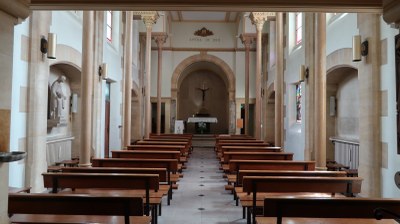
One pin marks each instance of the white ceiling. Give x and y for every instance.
(196, 16)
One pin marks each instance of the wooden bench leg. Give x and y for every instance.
(159, 209)
(248, 215)
(244, 212)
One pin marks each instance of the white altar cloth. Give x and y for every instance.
(202, 119)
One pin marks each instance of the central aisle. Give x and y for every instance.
(201, 197)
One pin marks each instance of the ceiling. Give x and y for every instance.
(196, 16)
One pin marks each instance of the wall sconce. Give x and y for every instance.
(49, 46)
(359, 49)
(304, 72)
(74, 103)
(103, 71)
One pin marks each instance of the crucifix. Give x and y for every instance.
(203, 89)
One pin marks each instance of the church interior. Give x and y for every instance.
(88, 86)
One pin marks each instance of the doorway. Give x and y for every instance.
(154, 118)
(251, 118)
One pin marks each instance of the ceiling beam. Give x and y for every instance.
(373, 6)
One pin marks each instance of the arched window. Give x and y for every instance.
(298, 28)
(109, 27)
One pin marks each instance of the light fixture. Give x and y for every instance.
(359, 49)
(103, 71)
(49, 46)
(303, 73)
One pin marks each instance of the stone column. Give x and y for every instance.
(149, 18)
(258, 19)
(142, 40)
(39, 71)
(160, 40)
(320, 91)
(264, 85)
(309, 39)
(247, 40)
(8, 19)
(127, 78)
(279, 81)
(370, 104)
(87, 87)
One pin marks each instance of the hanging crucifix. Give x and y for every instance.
(203, 90)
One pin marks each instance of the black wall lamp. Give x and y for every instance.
(49, 46)
(359, 48)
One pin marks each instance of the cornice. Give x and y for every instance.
(18, 9)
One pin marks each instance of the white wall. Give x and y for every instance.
(19, 117)
(68, 27)
(388, 125)
(295, 56)
(339, 33)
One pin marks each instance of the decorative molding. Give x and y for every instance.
(18, 9)
(203, 32)
(248, 39)
(203, 49)
(371, 6)
(391, 11)
(149, 17)
(258, 18)
(159, 38)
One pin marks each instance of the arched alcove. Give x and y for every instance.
(64, 117)
(221, 71)
(269, 123)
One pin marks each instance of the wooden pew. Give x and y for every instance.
(164, 142)
(170, 164)
(329, 210)
(179, 148)
(146, 154)
(65, 208)
(332, 185)
(146, 182)
(164, 186)
(248, 149)
(228, 156)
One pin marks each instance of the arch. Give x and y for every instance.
(340, 58)
(69, 56)
(228, 76)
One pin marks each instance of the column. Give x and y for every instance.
(258, 19)
(128, 78)
(309, 39)
(320, 91)
(149, 18)
(160, 40)
(264, 86)
(247, 41)
(279, 81)
(87, 87)
(37, 116)
(142, 41)
(8, 19)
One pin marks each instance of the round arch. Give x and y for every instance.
(228, 76)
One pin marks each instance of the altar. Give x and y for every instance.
(202, 124)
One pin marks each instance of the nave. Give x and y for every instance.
(201, 198)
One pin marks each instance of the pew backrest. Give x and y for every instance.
(257, 156)
(147, 154)
(370, 208)
(235, 165)
(72, 204)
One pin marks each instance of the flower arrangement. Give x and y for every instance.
(202, 127)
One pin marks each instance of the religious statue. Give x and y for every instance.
(203, 89)
(58, 100)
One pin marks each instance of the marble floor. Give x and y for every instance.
(201, 197)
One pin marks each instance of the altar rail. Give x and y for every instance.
(346, 152)
(58, 149)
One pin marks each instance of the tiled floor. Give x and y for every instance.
(202, 177)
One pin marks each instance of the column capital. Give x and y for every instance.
(18, 9)
(258, 18)
(247, 39)
(160, 38)
(149, 17)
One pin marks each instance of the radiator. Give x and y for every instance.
(346, 152)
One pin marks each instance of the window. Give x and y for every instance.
(109, 25)
(299, 27)
(298, 102)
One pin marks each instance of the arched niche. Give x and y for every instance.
(211, 65)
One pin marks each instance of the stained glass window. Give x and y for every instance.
(298, 102)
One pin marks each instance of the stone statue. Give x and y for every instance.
(58, 99)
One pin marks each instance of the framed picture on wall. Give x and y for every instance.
(397, 56)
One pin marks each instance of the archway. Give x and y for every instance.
(213, 70)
